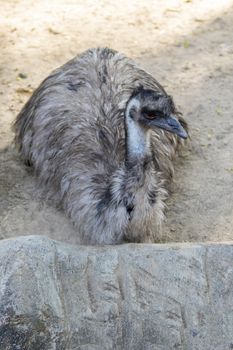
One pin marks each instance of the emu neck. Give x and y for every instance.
(137, 142)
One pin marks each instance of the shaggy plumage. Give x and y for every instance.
(88, 133)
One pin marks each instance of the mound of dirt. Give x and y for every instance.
(186, 45)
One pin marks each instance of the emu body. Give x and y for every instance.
(100, 139)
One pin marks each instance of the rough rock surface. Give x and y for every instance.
(58, 296)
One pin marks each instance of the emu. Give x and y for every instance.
(101, 135)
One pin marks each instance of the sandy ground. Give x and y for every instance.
(186, 45)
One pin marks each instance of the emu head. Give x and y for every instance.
(153, 109)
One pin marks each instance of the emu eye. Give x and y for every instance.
(153, 114)
(150, 115)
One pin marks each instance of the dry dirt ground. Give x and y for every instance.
(186, 45)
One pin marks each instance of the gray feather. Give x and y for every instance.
(72, 131)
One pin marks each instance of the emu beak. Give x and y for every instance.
(170, 124)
